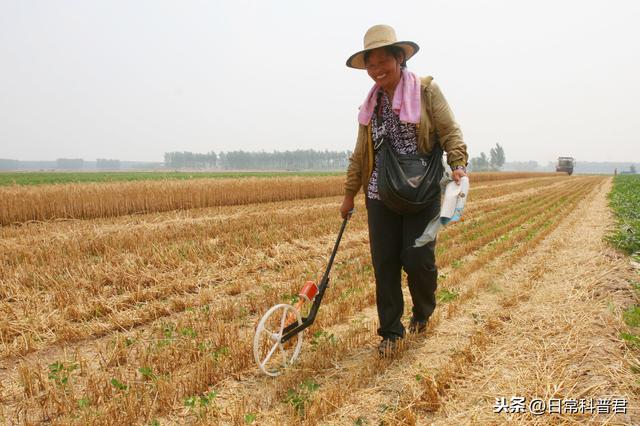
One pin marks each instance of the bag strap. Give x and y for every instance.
(378, 114)
(425, 86)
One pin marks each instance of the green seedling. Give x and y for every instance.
(190, 401)
(167, 330)
(445, 295)
(322, 337)
(147, 373)
(201, 401)
(60, 373)
(300, 397)
(188, 332)
(204, 346)
(119, 385)
(297, 400)
(83, 403)
(168, 334)
(632, 316)
(631, 339)
(310, 385)
(208, 398)
(625, 202)
(220, 353)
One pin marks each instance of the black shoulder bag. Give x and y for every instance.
(408, 183)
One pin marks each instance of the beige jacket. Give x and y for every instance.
(435, 109)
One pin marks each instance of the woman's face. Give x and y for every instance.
(383, 68)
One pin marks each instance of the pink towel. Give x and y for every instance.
(406, 100)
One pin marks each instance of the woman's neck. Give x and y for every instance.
(390, 89)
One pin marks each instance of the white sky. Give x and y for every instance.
(134, 79)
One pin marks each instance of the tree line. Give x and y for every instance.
(307, 159)
(238, 160)
(493, 162)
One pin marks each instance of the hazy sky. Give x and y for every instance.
(134, 79)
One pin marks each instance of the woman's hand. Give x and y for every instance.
(347, 206)
(457, 174)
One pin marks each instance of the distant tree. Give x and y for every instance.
(107, 164)
(9, 164)
(484, 160)
(212, 159)
(479, 164)
(497, 157)
(69, 163)
(301, 159)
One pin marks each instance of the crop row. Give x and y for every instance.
(19, 204)
(114, 274)
(201, 371)
(361, 373)
(336, 350)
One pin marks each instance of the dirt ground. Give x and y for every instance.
(532, 338)
(548, 331)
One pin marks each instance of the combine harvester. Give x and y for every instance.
(565, 164)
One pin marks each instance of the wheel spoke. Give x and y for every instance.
(266, 345)
(284, 318)
(271, 335)
(268, 357)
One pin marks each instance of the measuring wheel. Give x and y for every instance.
(278, 338)
(271, 355)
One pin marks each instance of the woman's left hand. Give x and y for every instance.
(457, 174)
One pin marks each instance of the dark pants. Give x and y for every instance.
(391, 238)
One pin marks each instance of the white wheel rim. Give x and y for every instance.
(266, 342)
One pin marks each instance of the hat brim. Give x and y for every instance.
(357, 59)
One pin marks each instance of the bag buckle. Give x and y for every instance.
(424, 163)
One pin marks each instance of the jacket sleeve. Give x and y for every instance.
(448, 129)
(353, 181)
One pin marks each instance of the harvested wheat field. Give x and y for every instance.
(137, 306)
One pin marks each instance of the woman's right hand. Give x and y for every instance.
(347, 206)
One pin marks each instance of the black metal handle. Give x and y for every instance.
(293, 329)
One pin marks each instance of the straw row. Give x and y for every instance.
(19, 204)
(127, 294)
(361, 374)
(118, 282)
(201, 371)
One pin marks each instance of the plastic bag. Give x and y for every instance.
(455, 197)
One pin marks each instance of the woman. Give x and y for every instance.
(413, 116)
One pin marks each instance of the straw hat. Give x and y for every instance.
(380, 36)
